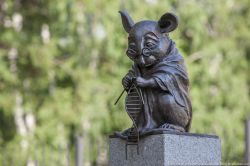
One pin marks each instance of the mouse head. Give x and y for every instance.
(148, 41)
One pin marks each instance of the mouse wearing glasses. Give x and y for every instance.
(160, 73)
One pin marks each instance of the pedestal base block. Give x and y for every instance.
(167, 149)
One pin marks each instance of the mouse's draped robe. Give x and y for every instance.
(171, 76)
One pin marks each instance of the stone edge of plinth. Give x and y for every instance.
(174, 133)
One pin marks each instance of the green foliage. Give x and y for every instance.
(62, 62)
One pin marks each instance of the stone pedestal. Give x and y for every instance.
(167, 149)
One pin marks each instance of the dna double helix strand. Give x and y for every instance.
(134, 106)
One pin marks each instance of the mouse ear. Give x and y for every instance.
(168, 22)
(127, 21)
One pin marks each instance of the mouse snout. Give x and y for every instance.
(142, 61)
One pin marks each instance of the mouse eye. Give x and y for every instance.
(150, 44)
(131, 53)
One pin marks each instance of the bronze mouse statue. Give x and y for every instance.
(160, 74)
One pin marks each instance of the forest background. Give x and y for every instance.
(62, 61)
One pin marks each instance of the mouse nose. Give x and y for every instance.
(146, 52)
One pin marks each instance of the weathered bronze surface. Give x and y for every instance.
(157, 84)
